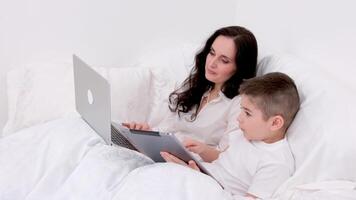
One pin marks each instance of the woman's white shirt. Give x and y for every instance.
(212, 125)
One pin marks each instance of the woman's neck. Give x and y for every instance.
(213, 93)
(215, 89)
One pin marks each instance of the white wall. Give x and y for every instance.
(105, 33)
(323, 31)
(110, 33)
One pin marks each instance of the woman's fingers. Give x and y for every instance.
(146, 127)
(132, 125)
(126, 124)
(137, 126)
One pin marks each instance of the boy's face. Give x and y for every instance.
(251, 121)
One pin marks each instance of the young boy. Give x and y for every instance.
(258, 159)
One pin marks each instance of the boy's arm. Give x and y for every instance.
(206, 152)
(210, 154)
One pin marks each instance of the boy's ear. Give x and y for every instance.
(277, 122)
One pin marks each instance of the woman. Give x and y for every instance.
(205, 107)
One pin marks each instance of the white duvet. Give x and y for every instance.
(65, 159)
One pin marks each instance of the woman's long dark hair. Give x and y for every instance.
(192, 89)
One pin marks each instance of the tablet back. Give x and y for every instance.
(151, 143)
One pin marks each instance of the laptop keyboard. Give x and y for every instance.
(118, 139)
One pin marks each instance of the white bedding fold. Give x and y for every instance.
(100, 172)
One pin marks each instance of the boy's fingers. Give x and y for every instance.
(193, 149)
(190, 142)
(193, 165)
(165, 157)
(170, 158)
(177, 160)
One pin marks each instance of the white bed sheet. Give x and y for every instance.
(65, 159)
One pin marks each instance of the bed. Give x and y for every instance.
(48, 152)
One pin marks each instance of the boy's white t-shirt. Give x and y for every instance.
(253, 167)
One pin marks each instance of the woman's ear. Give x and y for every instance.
(277, 123)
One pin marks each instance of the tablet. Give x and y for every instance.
(151, 143)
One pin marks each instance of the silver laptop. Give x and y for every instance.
(92, 98)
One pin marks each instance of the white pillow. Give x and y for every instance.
(131, 97)
(321, 134)
(170, 66)
(306, 128)
(14, 82)
(42, 92)
(164, 82)
(131, 93)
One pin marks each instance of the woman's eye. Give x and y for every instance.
(248, 114)
(225, 61)
(211, 52)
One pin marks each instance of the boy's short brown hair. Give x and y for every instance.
(274, 94)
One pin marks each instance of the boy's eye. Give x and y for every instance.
(247, 114)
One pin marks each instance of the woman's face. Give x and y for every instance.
(220, 62)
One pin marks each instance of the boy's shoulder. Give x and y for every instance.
(258, 152)
(275, 165)
(277, 154)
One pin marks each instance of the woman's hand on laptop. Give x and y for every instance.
(137, 126)
(171, 158)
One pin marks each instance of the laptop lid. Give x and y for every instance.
(92, 98)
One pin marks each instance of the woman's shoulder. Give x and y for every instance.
(234, 107)
(236, 99)
(232, 101)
